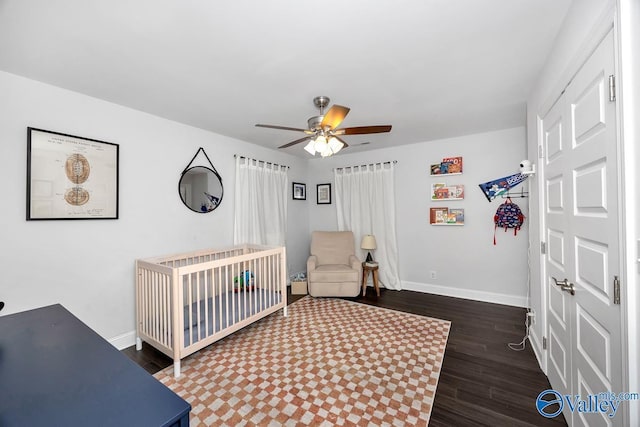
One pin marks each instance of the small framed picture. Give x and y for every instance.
(299, 191)
(324, 194)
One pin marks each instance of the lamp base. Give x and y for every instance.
(369, 257)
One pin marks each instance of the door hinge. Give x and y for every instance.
(543, 247)
(616, 290)
(540, 152)
(612, 88)
(544, 343)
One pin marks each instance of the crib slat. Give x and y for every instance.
(161, 305)
(206, 302)
(226, 290)
(234, 269)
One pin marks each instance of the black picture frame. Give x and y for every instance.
(299, 191)
(71, 177)
(323, 194)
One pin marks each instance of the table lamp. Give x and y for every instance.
(368, 244)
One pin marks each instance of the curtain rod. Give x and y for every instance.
(370, 164)
(263, 161)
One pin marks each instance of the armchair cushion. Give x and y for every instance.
(334, 273)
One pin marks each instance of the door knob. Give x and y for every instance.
(565, 285)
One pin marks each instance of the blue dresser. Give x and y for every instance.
(56, 371)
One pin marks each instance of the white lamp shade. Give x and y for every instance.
(368, 242)
(309, 148)
(320, 144)
(335, 144)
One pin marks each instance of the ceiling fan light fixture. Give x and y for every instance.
(309, 148)
(326, 152)
(335, 145)
(320, 143)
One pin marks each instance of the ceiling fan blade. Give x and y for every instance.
(297, 141)
(334, 116)
(361, 130)
(283, 128)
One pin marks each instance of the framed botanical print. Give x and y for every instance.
(70, 177)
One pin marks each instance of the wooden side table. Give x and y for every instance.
(365, 273)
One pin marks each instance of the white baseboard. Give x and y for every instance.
(513, 300)
(123, 341)
(536, 345)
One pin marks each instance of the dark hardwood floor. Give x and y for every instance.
(483, 382)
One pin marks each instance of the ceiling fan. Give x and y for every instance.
(323, 133)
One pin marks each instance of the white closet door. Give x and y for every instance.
(581, 230)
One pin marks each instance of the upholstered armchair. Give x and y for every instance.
(333, 269)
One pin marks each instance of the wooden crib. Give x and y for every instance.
(185, 302)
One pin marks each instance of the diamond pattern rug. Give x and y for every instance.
(329, 362)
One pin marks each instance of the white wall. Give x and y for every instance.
(466, 262)
(88, 266)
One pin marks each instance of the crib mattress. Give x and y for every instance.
(223, 311)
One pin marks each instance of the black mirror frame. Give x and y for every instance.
(210, 169)
(216, 174)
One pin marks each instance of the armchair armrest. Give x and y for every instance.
(312, 261)
(355, 263)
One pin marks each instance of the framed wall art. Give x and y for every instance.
(299, 191)
(323, 194)
(70, 177)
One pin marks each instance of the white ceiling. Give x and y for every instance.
(431, 68)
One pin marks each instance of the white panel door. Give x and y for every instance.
(557, 217)
(581, 230)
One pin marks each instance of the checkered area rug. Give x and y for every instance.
(329, 362)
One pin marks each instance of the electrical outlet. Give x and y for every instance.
(433, 274)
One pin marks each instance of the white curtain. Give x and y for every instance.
(365, 200)
(260, 203)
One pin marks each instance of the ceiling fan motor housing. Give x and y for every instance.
(314, 122)
(320, 102)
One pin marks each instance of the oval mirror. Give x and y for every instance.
(200, 189)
